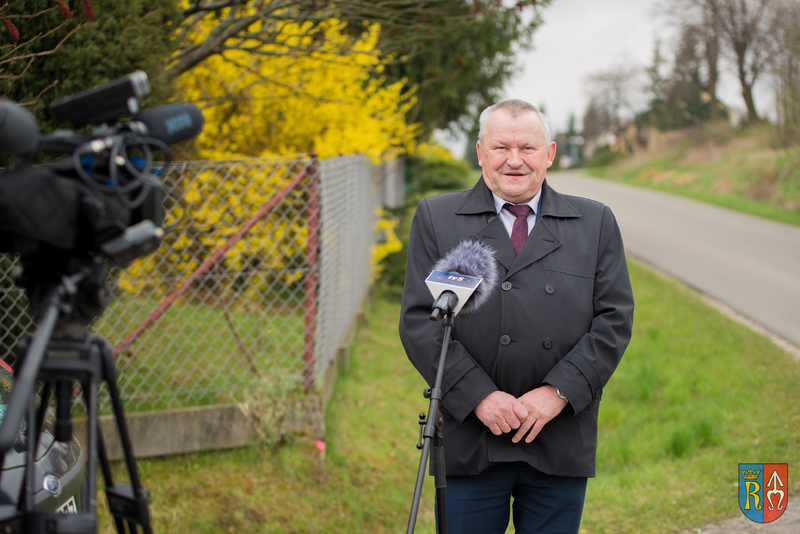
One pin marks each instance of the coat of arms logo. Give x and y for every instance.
(763, 491)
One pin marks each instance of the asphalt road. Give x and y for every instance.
(749, 264)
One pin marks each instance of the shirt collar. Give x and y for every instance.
(499, 202)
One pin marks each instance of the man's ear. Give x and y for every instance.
(551, 153)
(478, 149)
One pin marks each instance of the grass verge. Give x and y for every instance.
(734, 169)
(695, 395)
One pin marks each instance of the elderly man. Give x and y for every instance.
(524, 375)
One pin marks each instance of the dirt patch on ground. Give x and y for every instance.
(685, 178)
(712, 152)
(661, 177)
(723, 187)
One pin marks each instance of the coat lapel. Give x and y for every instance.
(480, 201)
(495, 234)
(542, 240)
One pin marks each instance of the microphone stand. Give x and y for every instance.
(431, 427)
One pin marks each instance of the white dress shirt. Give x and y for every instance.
(508, 218)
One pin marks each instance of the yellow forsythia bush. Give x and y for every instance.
(258, 105)
(388, 242)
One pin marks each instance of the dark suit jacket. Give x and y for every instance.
(561, 314)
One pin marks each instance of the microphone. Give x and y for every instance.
(463, 280)
(169, 124)
(172, 123)
(18, 130)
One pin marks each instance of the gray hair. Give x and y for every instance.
(515, 108)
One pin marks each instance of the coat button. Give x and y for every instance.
(598, 394)
(505, 340)
(548, 344)
(549, 289)
(506, 286)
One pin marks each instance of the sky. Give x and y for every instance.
(582, 37)
(578, 38)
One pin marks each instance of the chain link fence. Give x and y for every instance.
(259, 280)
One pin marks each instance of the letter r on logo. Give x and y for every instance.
(752, 491)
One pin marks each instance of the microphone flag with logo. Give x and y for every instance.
(469, 271)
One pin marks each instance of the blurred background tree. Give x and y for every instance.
(748, 27)
(683, 98)
(612, 93)
(698, 20)
(786, 70)
(460, 67)
(66, 47)
(598, 118)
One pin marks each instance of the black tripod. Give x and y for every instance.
(61, 353)
(431, 427)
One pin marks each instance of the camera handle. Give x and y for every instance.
(73, 357)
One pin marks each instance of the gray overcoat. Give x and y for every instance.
(561, 314)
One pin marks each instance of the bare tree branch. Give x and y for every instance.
(747, 25)
(785, 69)
(16, 58)
(43, 91)
(613, 89)
(405, 25)
(8, 58)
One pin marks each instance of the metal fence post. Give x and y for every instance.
(311, 273)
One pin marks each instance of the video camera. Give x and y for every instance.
(105, 196)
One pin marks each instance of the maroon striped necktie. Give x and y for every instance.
(519, 232)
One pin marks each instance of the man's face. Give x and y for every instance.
(514, 155)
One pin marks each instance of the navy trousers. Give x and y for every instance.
(542, 504)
